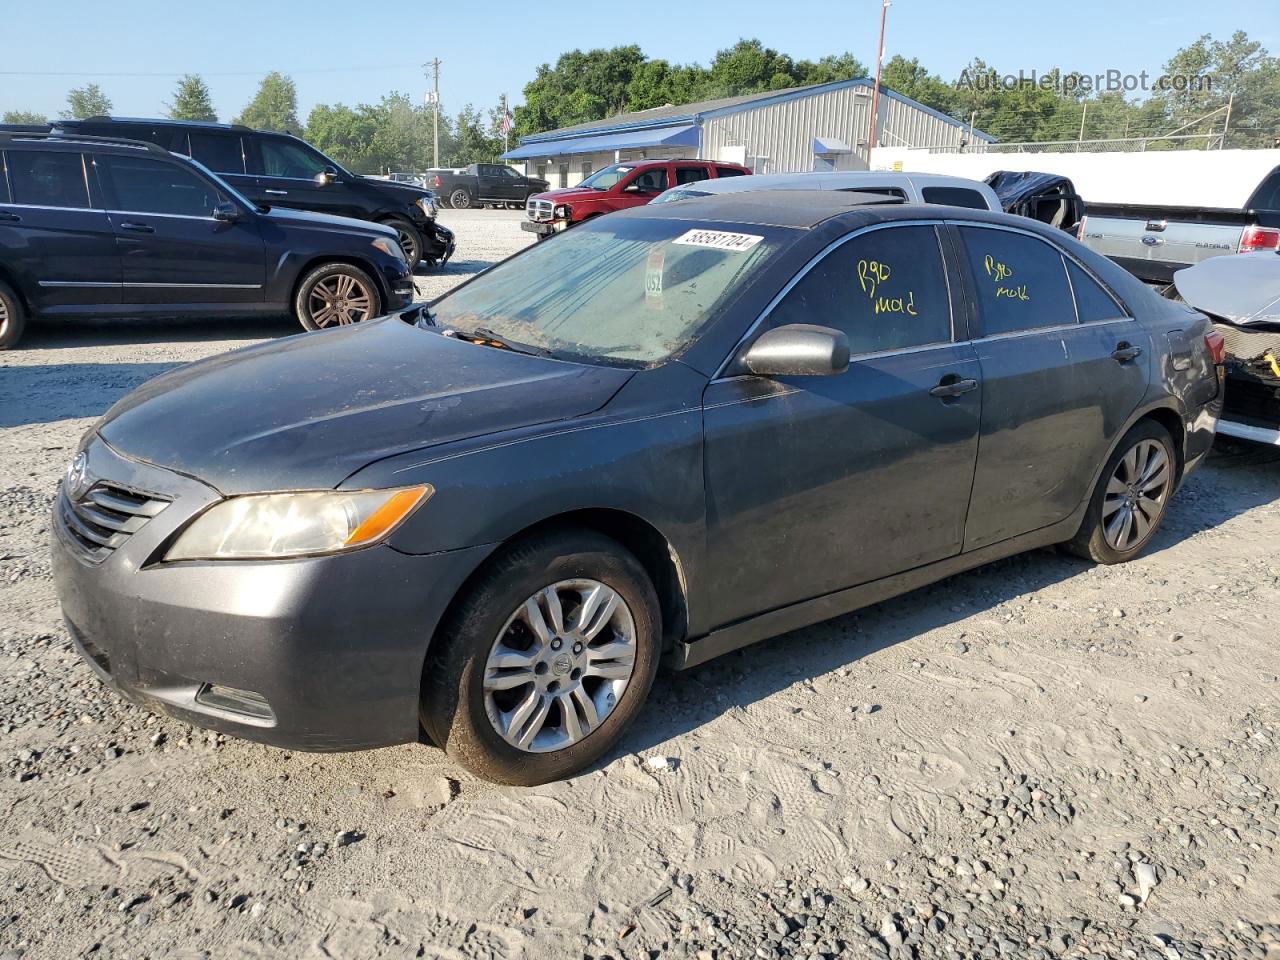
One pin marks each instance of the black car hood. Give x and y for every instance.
(308, 411)
(327, 221)
(411, 191)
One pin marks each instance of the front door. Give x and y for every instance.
(644, 185)
(1056, 391)
(815, 484)
(285, 173)
(57, 234)
(172, 250)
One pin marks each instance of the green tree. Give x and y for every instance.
(830, 69)
(1239, 72)
(86, 101)
(749, 67)
(476, 138)
(23, 116)
(192, 101)
(580, 87)
(274, 106)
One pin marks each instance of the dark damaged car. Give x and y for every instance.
(675, 431)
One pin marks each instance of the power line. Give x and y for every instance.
(203, 73)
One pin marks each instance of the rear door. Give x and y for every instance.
(55, 234)
(223, 153)
(815, 484)
(172, 250)
(690, 173)
(1056, 391)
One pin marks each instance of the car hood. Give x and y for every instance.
(411, 191)
(570, 194)
(308, 411)
(288, 217)
(1241, 288)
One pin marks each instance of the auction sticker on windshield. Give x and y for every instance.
(718, 240)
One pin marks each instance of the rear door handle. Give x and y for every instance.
(277, 193)
(137, 227)
(1125, 352)
(9, 217)
(953, 386)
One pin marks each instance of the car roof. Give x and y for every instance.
(163, 122)
(70, 143)
(837, 180)
(806, 209)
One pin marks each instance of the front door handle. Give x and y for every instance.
(9, 217)
(277, 193)
(952, 386)
(1125, 352)
(137, 227)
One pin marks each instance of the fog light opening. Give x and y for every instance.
(244, 702)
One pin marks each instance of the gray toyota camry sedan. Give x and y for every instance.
(669, 432)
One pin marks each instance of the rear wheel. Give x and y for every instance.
(336, 294)
(460, 199)
(546, 661)
(13, 317)
(1131, 498)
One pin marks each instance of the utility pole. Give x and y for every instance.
(1083, 113)
(435, 102)
(875, 93)
(506, 127)
(1226, 122)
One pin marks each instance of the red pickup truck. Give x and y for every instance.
(617, 187)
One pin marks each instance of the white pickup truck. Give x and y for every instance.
(1154, 242)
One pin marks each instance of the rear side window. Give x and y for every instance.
(691, 174)
(140, 185)
(886, 289)
(218, 152)
(954, 197)
(1021, 281)
(47, 179)
(730, 172)
(1092, 302)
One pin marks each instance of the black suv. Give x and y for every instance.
(280, 170)
(110, 227)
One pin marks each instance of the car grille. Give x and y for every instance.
(104, 518)
(538, 209)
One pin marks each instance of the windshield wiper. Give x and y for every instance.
(485, 335)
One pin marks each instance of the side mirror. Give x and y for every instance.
(226, 212)
(798, 350)
(326, 177)
(632, 188)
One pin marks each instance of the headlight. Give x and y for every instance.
(390, 247)
(427, 205)
(296, 524)
(563, 211)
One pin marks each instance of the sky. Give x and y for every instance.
(352, 53)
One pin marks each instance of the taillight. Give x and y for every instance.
(436, 182)
(1256, 239)
(1217, 345)
(1080, 229)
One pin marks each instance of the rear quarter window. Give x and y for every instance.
(1093, 303)
(730, 172)
(955, 197)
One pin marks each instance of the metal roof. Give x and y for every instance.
(694, 112)
(684, 135)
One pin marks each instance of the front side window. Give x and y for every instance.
(653, 180)
(954, 197)
(47, 178)
(885, 289)
(141, 185)
(508, 173)
(218, 152)
(627, 292)
(691, 174)
(1021, 281)
(1093, 304)
(282, 158)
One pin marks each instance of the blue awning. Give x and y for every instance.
(683, 136)
(825, 145)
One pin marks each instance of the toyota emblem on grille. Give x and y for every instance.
(78, 482)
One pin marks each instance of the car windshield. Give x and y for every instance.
(679, 193)
(607, 177)
(622, 291)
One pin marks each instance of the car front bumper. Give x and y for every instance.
(333, 647)
(544, 229)
(438, 242)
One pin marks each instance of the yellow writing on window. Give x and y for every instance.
(999, 272)
(873, 273)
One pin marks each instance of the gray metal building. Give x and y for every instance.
(819, 127)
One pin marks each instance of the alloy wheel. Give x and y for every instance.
(339, 299)
(460, 199)
(4, 317)
(409, 244)
(1136, 495)
(559, 666)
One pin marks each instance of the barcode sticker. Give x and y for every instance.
(718, 240)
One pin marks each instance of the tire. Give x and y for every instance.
(326, 285)
(13, 317)
(1105, 536)
(410, 237)
(462, 712)
(460, 199)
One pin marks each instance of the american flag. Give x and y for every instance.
(508, 121)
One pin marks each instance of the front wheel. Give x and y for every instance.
(336, 294)
(410, 239)
(546, 661)
(460, 199)
(1131, 498)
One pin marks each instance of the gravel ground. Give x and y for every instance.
(1038, 759)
